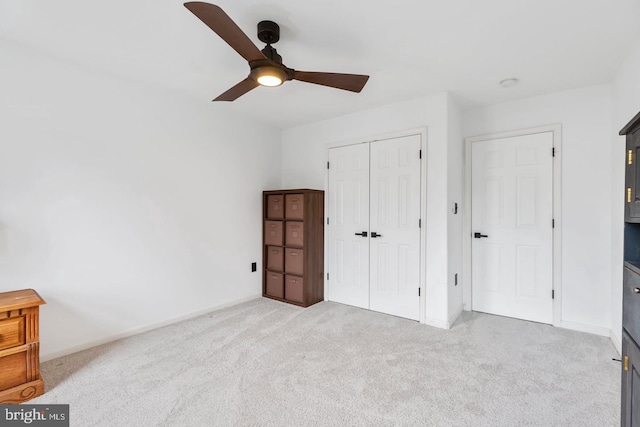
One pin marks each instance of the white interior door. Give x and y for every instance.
(349, 225)
(375, 188)
(512, 235)
(394, 225)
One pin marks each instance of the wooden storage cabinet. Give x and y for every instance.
(20, 346)
(630, 397)
(293, 246)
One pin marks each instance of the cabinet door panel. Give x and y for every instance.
(631, 302)
(630, 382)
(632, 192)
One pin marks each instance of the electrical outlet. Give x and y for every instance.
(254, 266)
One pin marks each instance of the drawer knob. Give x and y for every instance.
(636, 290)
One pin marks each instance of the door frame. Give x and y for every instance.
(422, 132)
(556, 130)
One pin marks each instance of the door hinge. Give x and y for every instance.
(420, 223)
(418, 291)
(553, 152)
(628, 194)
(626, 363)
(630, 157)
(553, 223)
(420, 154)
(327, 220)
(327, 276)
(327, 165)
(553, 294)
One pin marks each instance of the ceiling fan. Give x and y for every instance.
(266, 65)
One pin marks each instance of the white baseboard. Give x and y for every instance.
(596, 330)
(454, 316)
(436, 323)
(616, 342)
(442, 324)
(135, 331)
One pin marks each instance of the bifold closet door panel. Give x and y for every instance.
(395, 226)
(348, 207)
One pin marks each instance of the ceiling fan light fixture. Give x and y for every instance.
(268, 75)
(271, 81)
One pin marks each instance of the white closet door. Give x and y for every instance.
(512, 202)
(394, 219)
(349, 215)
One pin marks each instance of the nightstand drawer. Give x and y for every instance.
(14, 370)
(11, 332)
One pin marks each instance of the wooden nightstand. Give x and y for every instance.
(20, 346)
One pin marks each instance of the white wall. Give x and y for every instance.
(124, 207)
(585, 115)
(455, 178)
(304, 153)
(626, 104)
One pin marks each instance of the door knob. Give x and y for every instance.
(363, 234)
(374, 234)
(479, 236)
(636, 290)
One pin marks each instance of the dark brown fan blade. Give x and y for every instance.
(352, 82)
(238, 90)
(218, 21)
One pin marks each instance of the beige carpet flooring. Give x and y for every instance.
(264, 363)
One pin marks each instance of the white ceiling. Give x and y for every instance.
(410, 48)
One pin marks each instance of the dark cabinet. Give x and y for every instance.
(293, 246)
(632, 171)
(630, 405)
(630, 382)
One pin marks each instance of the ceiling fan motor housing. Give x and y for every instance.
(268, 32)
